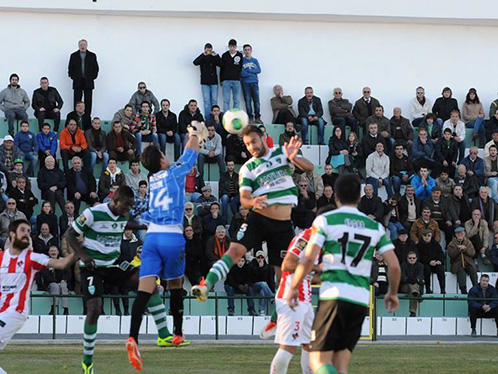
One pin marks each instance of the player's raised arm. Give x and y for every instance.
(303, 268)
(72, 239)
(61, 263)
(291, 150)
(391, 300)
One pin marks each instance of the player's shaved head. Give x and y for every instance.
(124, 192)
(347, 189)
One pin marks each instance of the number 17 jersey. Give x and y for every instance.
(167, 192)
(348, 239)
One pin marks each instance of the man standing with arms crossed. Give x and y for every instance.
(347, 240)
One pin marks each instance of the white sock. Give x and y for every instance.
(2, 371)
(305, 362)
(280, 362)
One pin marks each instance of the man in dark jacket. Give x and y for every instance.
(67, 218)
(229, 189)
(446, 152)
(384, 126)
(432, 257)
(215, 118)
(409, 207)
(370, 140)
(24, 197)
(83, 70)
(97, 149)
(459, 205)
(303, 213)
(401, 129)
(262, 280)
(190, 219)
(401, 168)
(371, 205)
(412, 280)
(56, 283)
(208, 61)
(47, 103)
(364, 106)
(488, 208)
(440, 211)
(310, 111)
(52, 183)
(482, 308)
(211, 221)
(403, 245)
(81, 115)
(340, 112)
(230, 74)
(167, 128)
(193, 255)
(120, 143)
(474, 165)
(236, 149)
(238, 220)
(238, 281)
(189, 113)
(443, 106)
(81, 185)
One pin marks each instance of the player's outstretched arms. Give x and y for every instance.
(291, 150)
(391, 300)
(61, 263)
(72, 239)
(250, 202)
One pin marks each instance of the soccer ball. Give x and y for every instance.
(235, 120)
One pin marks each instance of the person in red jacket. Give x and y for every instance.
(73, 143)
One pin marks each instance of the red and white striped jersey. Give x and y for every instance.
(296, 247)
(16, 278)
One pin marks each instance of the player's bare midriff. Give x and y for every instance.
(277, 212)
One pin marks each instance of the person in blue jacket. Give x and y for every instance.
(25, 140)
(250, 85)
(423, 184)
(474, 165)
(484, 308)
(47, 143)
(422, 151)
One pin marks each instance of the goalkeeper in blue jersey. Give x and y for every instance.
(163, 254)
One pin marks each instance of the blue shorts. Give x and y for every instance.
(163, 255)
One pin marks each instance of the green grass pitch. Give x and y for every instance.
(253, 359)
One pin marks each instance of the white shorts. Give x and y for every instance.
(294, 326)
(10, 323)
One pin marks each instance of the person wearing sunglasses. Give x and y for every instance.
(412, 280)
(340, 112)
(420, 106)
(364, 107)
(143, 94)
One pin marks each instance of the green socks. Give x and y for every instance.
(158, 310)
(219, 271)
(89, 337)
(326, 369)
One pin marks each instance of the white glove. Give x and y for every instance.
(199, 129)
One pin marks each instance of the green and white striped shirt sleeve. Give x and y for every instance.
(84, 222)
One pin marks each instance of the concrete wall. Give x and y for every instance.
(391, 48)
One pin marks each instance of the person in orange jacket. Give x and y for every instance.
(72, 143)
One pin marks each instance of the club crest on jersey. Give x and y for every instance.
(91, 290)
(20, 264)
(82, 219)
(295, 335)
(242, 231)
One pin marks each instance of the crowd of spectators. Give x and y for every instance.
(441, 202)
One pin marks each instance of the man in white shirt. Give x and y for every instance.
(419, 107)
(377, 168)
(458, 128)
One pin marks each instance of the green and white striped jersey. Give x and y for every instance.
(102, 232)
(348, 239)
(269, 175)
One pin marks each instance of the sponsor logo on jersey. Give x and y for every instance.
(91, 290)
